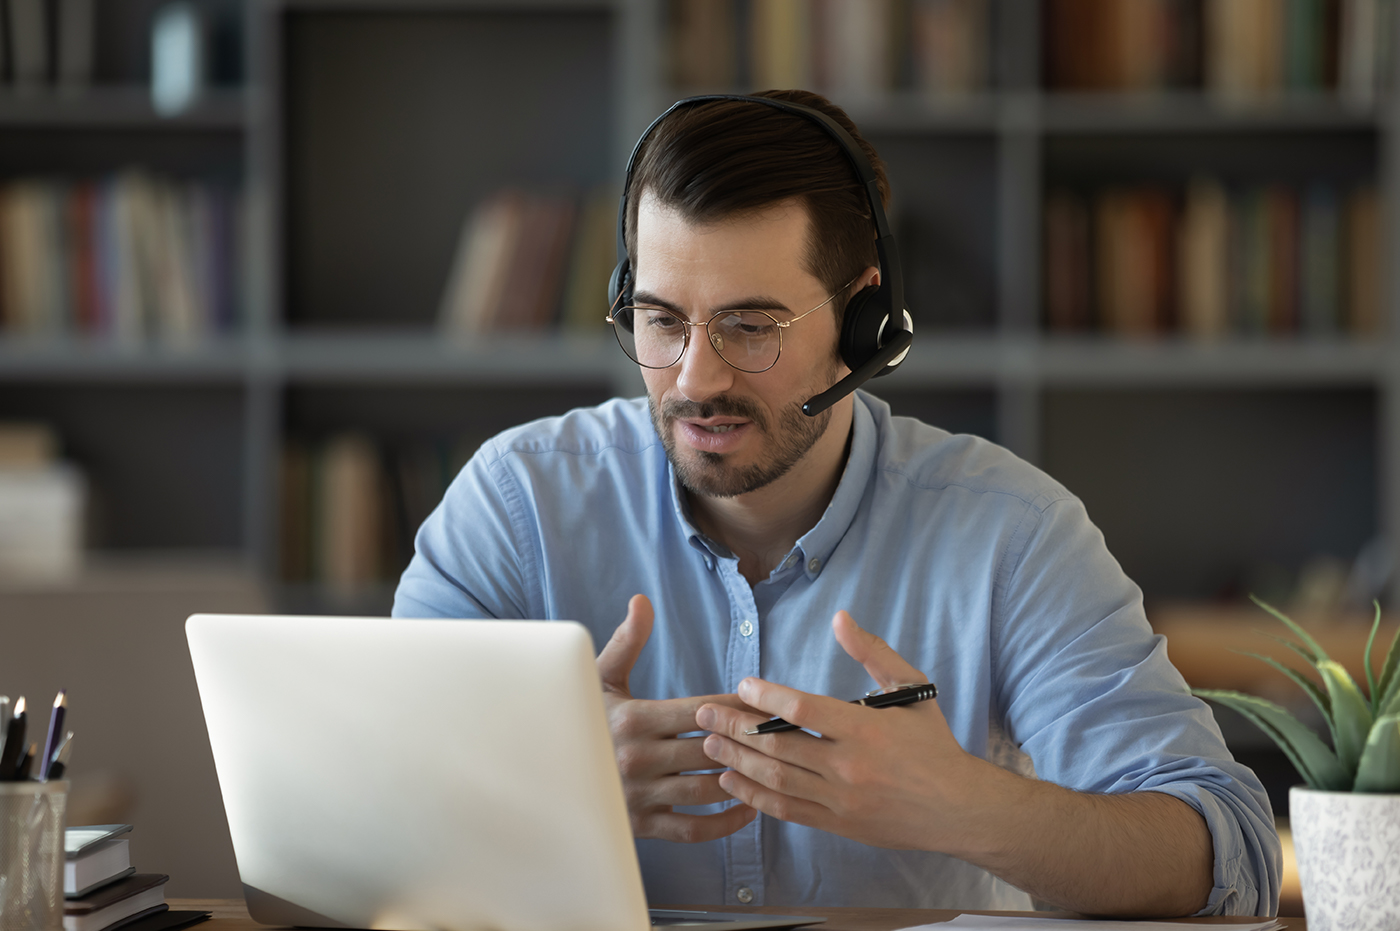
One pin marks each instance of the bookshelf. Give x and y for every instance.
(345, 272)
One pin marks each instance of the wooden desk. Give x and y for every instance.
(231, 915)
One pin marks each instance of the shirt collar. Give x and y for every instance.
(817, 544)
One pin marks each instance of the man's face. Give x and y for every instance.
(728, 432)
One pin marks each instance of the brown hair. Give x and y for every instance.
(725, 158)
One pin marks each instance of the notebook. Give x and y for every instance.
(422, 774)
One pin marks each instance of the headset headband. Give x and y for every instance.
(892, 276)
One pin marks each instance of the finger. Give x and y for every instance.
(666, 718)
(681, 790)
(783, 778)
(621, 651)
(826, 716)
(641, 760)
(694, 829)
(775, 804)
(880, 660)
(795, 747)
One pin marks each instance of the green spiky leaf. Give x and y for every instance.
(1302, 651)
(1314, 691)
(1366, 661)
(1379, 769)
(1390, 703)
(1315, 762)
(1319, 654)
(1389, 683)
(1351, 713)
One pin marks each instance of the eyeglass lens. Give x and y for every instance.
(749, 340)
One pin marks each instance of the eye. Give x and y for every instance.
(747, 325)
(658, 321)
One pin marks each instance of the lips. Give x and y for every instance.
(714, 434)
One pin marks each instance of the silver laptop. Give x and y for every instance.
(422, 774)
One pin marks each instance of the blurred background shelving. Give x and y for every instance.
(302, 427)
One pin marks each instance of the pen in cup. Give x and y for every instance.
(60, 758)
(14, 743)
(879, 698)
(60, 710)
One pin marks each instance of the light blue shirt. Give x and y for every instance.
(975, 566)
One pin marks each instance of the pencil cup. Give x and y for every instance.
(31, 855)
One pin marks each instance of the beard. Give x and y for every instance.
(711, 474)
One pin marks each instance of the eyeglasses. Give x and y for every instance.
(748, 340)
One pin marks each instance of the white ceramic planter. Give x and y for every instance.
(1348, 847)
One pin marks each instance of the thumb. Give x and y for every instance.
(621, 651)
(885, 666)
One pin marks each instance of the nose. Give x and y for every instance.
(703, 374)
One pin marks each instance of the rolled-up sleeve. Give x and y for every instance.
(1086, 690)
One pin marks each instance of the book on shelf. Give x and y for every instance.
(333, 512)
(591, 264)
(1236, 50)
(350, 507)
(46, 43)
(1213, 260)
(115, 904)
(849, 49)
(528, 262)
(128, 257)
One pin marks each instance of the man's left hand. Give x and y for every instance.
(888, 777)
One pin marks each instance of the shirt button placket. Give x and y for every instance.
(744, 848)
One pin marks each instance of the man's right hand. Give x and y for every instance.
(650, 756)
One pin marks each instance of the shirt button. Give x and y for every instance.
(745, 894)
(814, 565)
(790, 561)
(709, 564)
(746, 629)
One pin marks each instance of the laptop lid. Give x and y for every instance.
(426, 774)
(430, 774)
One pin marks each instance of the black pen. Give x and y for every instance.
(14, 742)
(60, 708)
(880, 698)
(22, 770)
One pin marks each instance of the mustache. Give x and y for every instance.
(721, 406)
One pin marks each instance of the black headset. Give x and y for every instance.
(866, 348)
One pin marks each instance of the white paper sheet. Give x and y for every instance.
(998, 923)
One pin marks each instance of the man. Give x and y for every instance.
(732, 526)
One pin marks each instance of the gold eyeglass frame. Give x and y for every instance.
(711, 337)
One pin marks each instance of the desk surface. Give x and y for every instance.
(231, 915)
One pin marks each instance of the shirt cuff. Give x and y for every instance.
(1248, 856)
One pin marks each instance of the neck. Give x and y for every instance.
(762, 526)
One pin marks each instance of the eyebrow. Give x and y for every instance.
(753, 302)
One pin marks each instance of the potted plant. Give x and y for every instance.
(1346, 820)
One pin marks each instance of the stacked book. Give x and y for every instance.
(103, 891)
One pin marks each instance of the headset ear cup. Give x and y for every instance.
(620, 284)
(860, 327)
